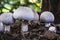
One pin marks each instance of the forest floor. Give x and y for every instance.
(36, 32)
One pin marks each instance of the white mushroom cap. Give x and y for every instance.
(1, 27)
(47, 16)
(6, 18)
(24, 13)
(36, 16)
(53, 29)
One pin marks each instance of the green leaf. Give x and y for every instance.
(8, 6)
(22, 2)
(34, 7)
(5, 10)
(13, 1)
(32, 1)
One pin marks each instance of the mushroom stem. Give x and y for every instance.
(47, 24)
(24, 27)
(7, 28)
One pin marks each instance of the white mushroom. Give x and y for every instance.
(47, 17)
(25, 13)
(52, 29)
(7, 18)
(36, 17)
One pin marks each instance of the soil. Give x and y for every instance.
(36, 32)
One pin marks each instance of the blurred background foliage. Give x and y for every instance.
(12, 5)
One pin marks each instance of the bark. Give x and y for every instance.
(46, 6)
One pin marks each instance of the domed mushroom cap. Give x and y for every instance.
(6, 18)
(1, 27)
(53, 29)
(25, 13)
(47, 16)
(36, 16)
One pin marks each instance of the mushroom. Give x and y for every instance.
(7, 19)
(36, 17)
(47, 17)
(1, 27)
(52, 29)
(27, 14)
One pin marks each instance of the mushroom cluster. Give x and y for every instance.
(26, 15)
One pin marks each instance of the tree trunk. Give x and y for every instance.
(46, 5)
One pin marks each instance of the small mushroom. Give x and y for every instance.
(52, 29)
(7, 19)
(47, 17)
